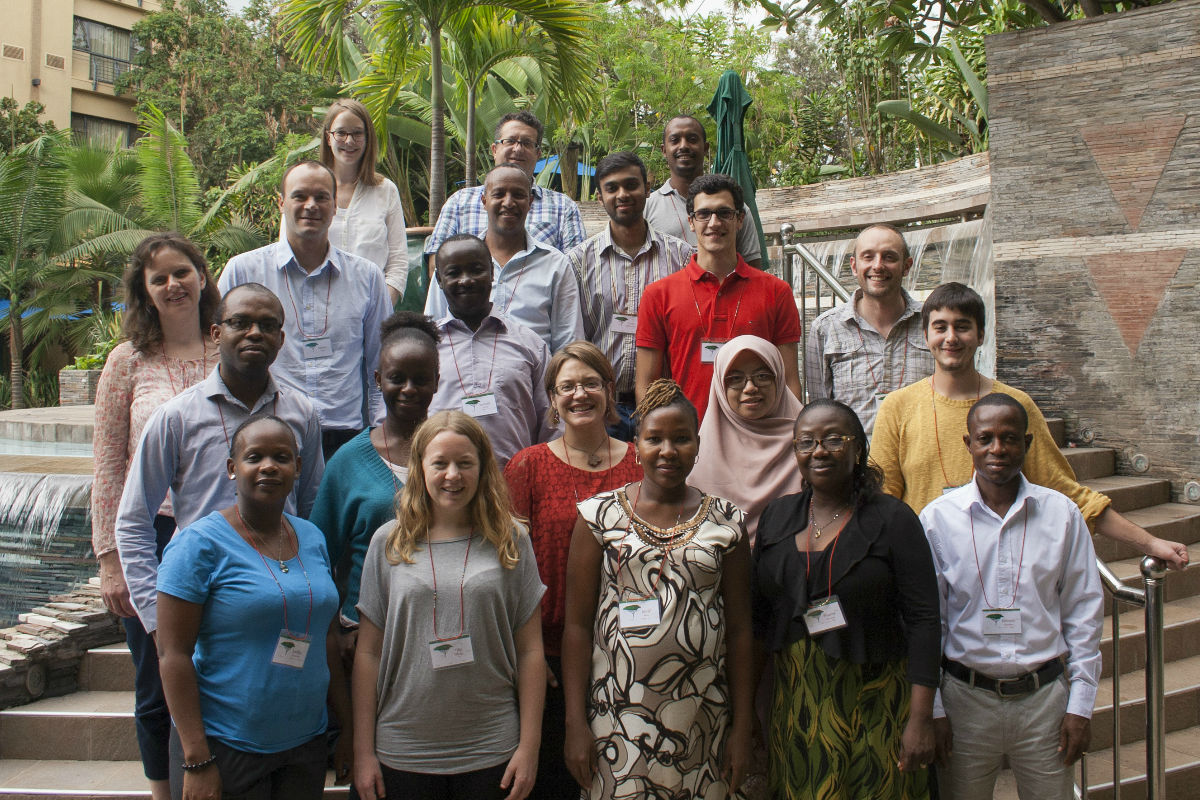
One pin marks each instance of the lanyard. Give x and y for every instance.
(462, 384)
(392, 472)
(1020, 563)
(683, 225)
(612, 279)
(182, 372)
(516, 283)
(937, 439)
(287, 281)
(713, 310)
(574, 483)
(462, 609)
(666, 549)
(224, 430)
(883, 363)
(271, 572)
(808, 551)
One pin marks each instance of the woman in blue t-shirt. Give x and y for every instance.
(245, 640)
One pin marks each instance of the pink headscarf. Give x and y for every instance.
(749, 462)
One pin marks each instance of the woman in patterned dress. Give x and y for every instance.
(547, 481)
(657, 658)
(854, 675)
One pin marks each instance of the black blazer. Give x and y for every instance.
(883, 576)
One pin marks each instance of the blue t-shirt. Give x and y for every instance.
(246, 701)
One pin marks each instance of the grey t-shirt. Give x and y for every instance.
(456, 719)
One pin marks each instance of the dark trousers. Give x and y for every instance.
(554, 781)
(333, 438)
(152, 721)
(482, 784)
(295, 774)
(624, 430)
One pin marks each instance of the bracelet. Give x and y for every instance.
(199, 764)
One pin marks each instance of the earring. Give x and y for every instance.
(555, 417)
(637, 458)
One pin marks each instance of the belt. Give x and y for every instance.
(1028, 683)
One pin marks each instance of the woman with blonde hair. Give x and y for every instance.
(370, 220)
(449, 674)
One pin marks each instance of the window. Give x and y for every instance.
(102, 132)
(111, 49)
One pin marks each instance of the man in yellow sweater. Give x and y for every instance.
(918, 441)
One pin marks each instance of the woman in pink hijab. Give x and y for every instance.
(746, 437)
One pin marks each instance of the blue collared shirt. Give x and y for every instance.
(553, 217)
(184, 449)
(536, 288)
(343, 301)
(507, 359)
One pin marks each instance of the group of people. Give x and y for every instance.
(598, 448)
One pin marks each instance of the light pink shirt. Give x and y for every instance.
(131, 387)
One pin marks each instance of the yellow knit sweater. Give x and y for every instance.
(918, 443)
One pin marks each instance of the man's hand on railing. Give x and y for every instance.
(1174, 553)
(1074, 736)
(1114, 526)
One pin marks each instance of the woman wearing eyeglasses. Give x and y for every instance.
(547, 481)
(746, 437)
(847, 601)
(370, 220)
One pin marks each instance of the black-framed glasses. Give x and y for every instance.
(833, 443)
(347, 136)
(528, 144)
(268, 326)
(737, 380)
(725, 214)
(568, 388)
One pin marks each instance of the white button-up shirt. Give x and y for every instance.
(536, 288)
(345, 301)
(1037, 558)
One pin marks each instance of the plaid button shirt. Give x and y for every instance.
(553, 218)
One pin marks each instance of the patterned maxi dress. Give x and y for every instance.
(658, 704)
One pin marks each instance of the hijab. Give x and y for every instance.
(748, 461)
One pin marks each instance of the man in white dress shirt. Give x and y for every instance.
(1021, 616)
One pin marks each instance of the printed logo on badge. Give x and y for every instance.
(479, 405)
(318, 348)
(824, 616)
(643, 613)
(290, 651)
(997, 621)
(624, 323)
(451, 652)
(708, 352)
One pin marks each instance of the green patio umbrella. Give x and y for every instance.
(728, 108)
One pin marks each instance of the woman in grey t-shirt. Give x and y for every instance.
(449, 673)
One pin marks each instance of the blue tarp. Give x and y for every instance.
(77, 315)
(581, 169)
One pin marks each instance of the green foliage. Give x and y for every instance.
(19, 125)
(224, 81)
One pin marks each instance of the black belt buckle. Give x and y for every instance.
(1015, 687)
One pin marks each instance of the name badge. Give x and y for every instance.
(624, 323)
(290, 650)
(479, 405)
(643, 613)
(998, 621)
(318, 348)
(879, 396)
(708, 352)
(451, 652)
(824, 616)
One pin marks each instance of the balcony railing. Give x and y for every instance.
(106, 69)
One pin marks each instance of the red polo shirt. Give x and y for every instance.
(691, 306)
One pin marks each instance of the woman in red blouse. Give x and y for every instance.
(546, 482)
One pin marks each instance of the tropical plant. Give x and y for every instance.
(20, 124)
(403, 30)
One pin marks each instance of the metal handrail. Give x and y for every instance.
(791, 251)
(1151, 599)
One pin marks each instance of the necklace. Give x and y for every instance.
(574, 484)
(819, 529)
(258, 543)
(593, 458)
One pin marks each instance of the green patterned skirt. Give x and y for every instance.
(836, 727)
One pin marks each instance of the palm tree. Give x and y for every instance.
(399, 29)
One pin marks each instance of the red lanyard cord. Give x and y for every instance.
(713, 309)
(491, 370)
(937, 439)
(328, 290)
(883, 365)
(257, 548)
(224, 430)
(666, 550)
(808, 551)
(462, 608)
(979, 571)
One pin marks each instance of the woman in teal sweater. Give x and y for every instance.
(361, 481)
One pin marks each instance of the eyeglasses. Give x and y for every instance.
(268, 326)
(737, 380)
(528, 144)
(705, 214)
(346, 136)
(833, 443)
(591, 386)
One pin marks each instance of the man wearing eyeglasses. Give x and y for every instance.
(553, 217)
(685, 318)
(685, 146)
(185, 444)
(336, 303)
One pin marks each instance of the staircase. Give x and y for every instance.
(81, 746)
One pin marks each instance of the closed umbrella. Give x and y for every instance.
(728, 108)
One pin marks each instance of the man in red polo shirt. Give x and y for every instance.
(684, 318)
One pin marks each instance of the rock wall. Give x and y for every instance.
(1095, 197)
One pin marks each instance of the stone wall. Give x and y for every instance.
(1095, 167)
